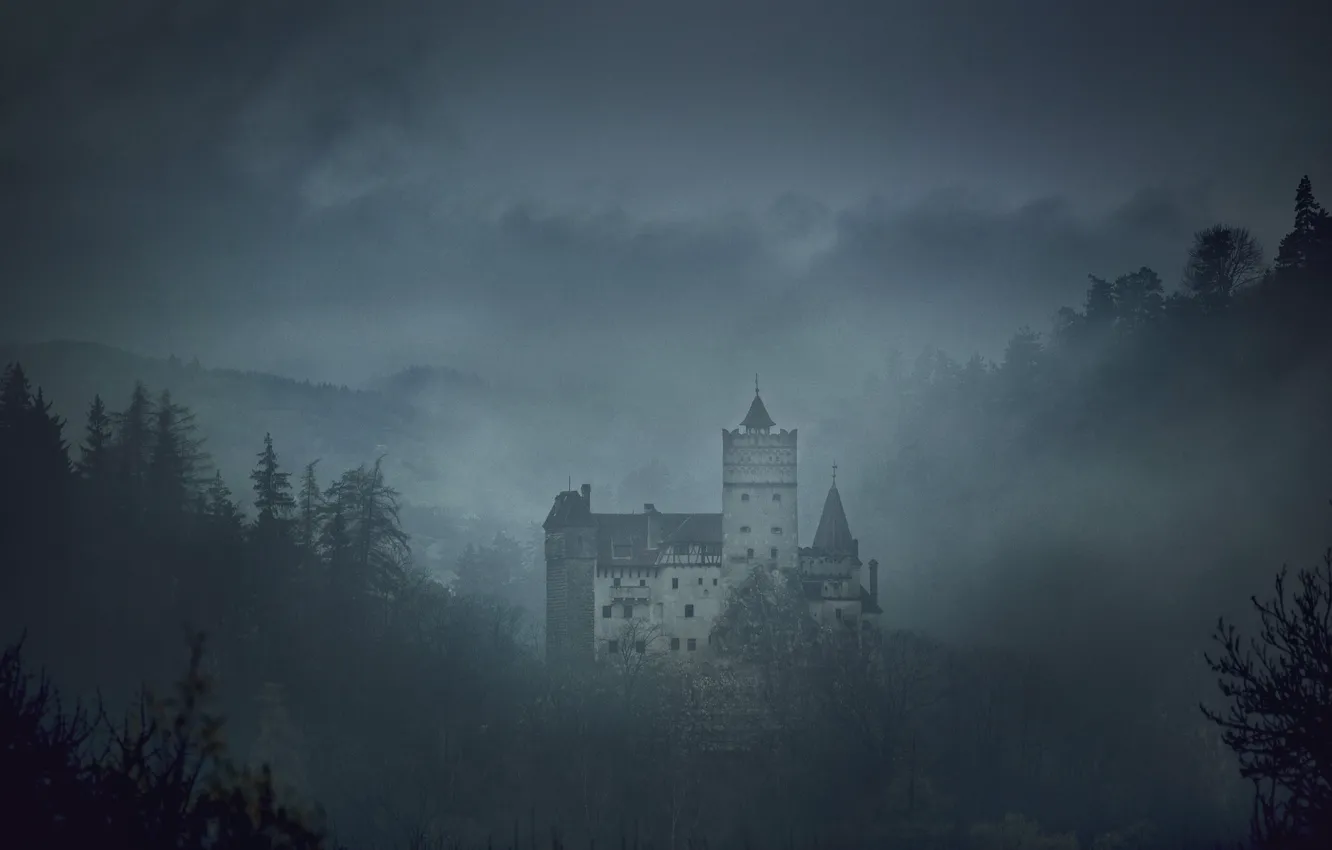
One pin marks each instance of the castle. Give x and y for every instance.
(662, 578)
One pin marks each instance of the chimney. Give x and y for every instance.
(586, 490)
(649, 508)
(874, 580)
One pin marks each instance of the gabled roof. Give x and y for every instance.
(645, 535)
(834, 534)
(758, 415)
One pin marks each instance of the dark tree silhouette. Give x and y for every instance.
(1223, 260)
(1279, 721)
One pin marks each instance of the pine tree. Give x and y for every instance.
(96, 448)
(272, 489)
(376, 547)
(1308, 242)
(311, 509)
(175, 459)
(132, 448)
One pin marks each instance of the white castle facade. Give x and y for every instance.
(661, 579)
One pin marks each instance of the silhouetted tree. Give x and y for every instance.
(1309, 243)
(1223, 259)
(1279, 721)
(273, 501)
(96, 448)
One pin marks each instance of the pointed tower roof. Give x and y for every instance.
(757, 417)
(834, 534)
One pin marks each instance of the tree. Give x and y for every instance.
(175, 459)
(1223, 259)
(1307, 245)
(133, 446)
(1279, 721)
(273, 501)
(311, 508)
(368, 539)
(96, 449)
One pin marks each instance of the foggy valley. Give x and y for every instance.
(364, 369)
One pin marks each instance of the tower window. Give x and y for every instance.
(838, 613)
(675, 584)
(744, 497)
(675, 643)
(776, 497)
(700, 579)
(693, 644)
(774, 553)
(628, 612)
(642, 582)
(616, 582)
(714, 582)
(749, 553)
(744, 529)
(605, 612)
(689, 610)
(776, 529)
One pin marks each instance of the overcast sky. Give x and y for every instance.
(644, 191)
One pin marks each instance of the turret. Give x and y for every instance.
(571, 558)
(759, 498)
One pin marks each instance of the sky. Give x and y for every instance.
(639, 192)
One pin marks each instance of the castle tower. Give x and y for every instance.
(571, 561)
(759, 519)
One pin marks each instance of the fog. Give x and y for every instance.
(506, 250)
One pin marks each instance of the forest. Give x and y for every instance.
(184, 672)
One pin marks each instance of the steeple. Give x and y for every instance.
(834, 535)
(757, 418)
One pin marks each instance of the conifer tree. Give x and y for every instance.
(1308, 242)
(272, 489)
(176, 458)
(311, 509)
(375, 545)
(133, 445)
(96, 448)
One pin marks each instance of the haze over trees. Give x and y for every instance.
(413, 711)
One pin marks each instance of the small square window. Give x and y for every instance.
(642, 582)
(675, 643)
(640, 646)
(744, 529)
(693, 644)
(675, 584)
(776, 529)
(628, 612)
(616, 583)
(689, 610)
(776, 497)
(613, 647)
(749, 553)
(744, 497)
(605, 612)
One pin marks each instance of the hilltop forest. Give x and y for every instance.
(330, 691)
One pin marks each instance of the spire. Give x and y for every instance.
(758, 414)
(834, 534)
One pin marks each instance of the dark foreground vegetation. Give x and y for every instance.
(413, 714)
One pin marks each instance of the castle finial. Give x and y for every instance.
(834, 473)
(756, 392)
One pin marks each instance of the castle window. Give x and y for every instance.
(616, 582)
(776, 529)
(693, 644)
(613, 647)
(675, 584)
(640, 647)
(605, 612)
(689, 610)
(628, 612)
(642, 582)
(622, 550)
(744, 529)
(749, 553)
(744, 497)
(700, 579)
(774, 553)
(714, 582)
(838, 613)
(776, 497)
(675, 643)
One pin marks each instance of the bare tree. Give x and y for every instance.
(1279, 721)
(1223, 259)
